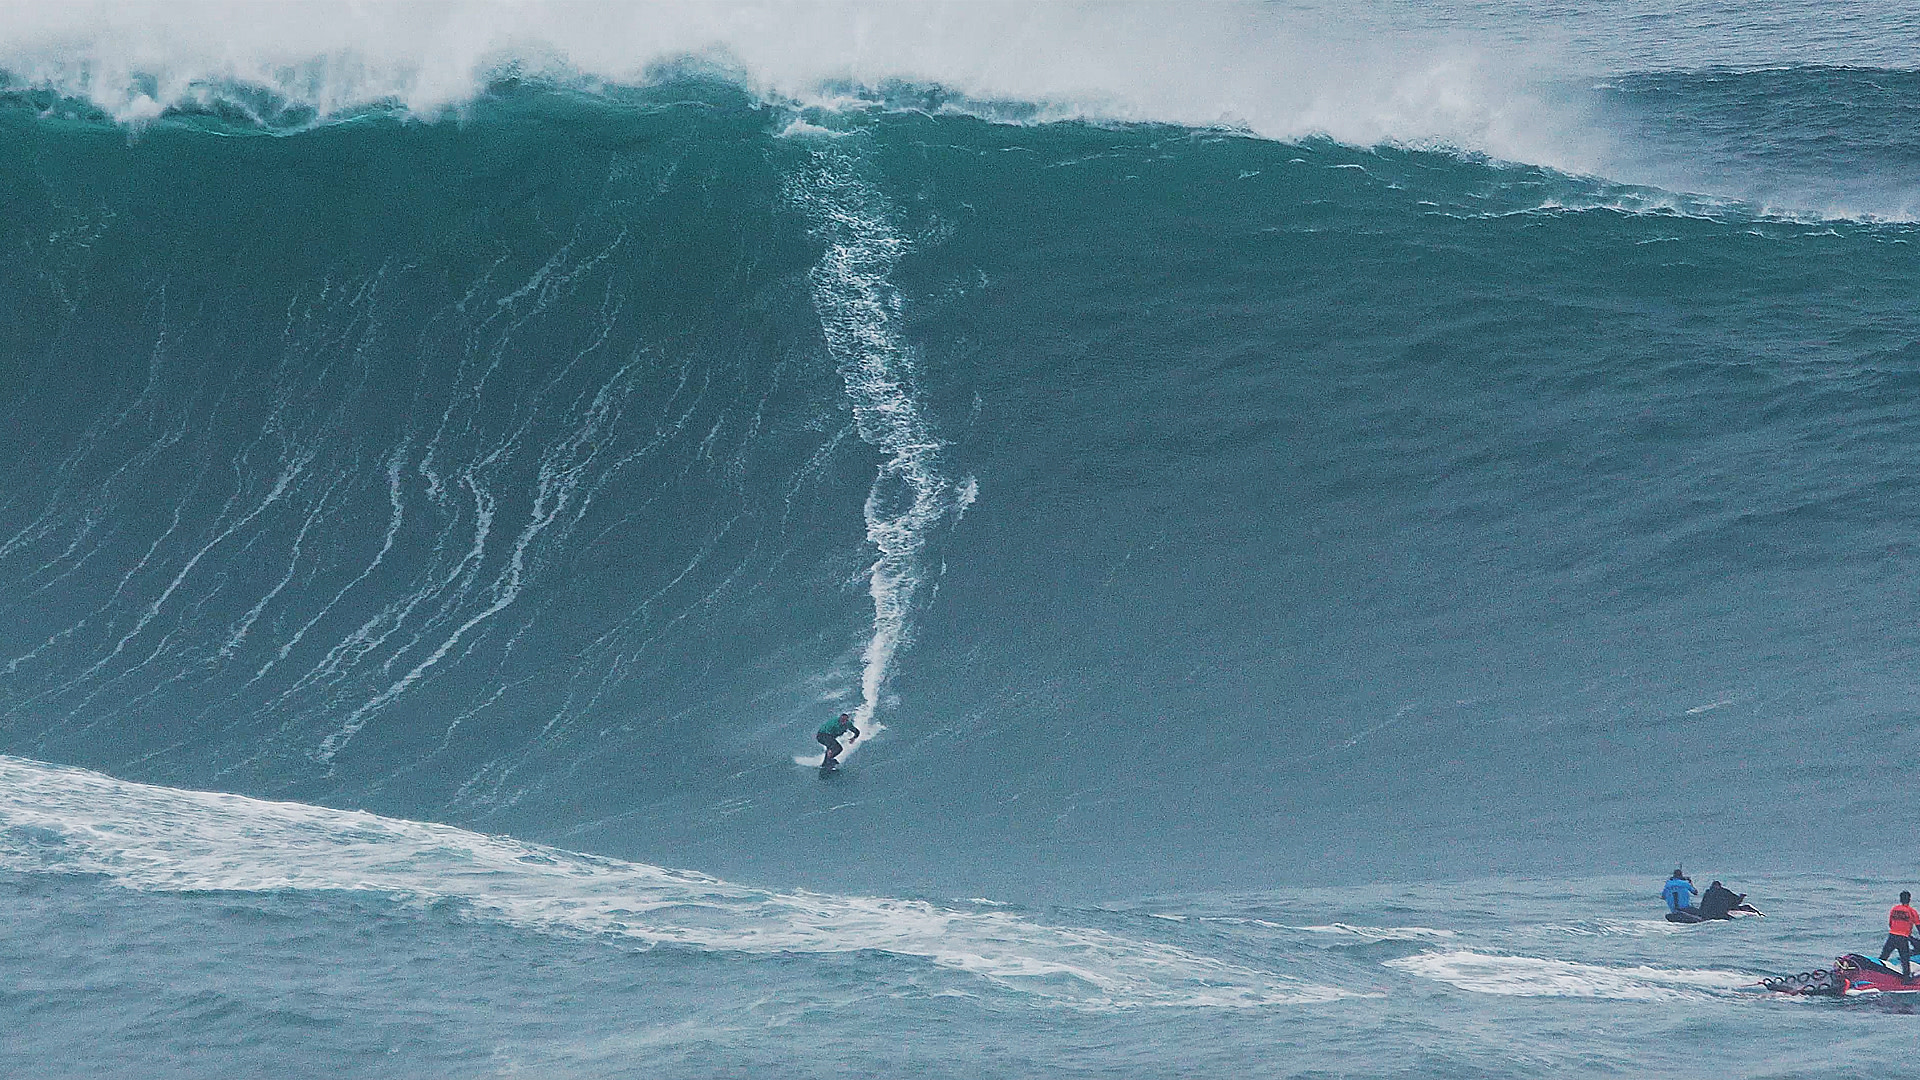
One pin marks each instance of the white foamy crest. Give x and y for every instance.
(1478, 77)
(1377, 933)
(1528, 976)
(1280, 73)
(859, 313)
(139, 836)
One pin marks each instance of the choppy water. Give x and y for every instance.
(197, 934)
(1245, 468)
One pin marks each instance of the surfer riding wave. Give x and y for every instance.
(829, 737)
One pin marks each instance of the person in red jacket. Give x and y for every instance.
(1900, 923)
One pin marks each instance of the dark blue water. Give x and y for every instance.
(1184, 512)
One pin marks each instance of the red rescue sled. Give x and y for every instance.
(1852, 975)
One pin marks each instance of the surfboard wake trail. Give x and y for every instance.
(860, 317)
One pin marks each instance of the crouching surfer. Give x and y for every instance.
(1900, 923)
(829, 737)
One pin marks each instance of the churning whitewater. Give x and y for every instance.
(166, 840)
(1313, 512)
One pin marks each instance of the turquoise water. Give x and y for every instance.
(247, 936)
(1315, 520)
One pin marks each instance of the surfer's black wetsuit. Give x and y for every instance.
(1719, 901)
(829, 736)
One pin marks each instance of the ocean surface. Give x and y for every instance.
(1315, 513)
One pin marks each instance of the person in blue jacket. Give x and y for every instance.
(1679, 893)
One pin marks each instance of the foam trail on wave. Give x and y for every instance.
(1528, 976)
(859, 311)
(69, 821)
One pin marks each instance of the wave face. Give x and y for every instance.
(1186, 506)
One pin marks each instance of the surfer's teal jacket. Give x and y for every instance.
(837, 727)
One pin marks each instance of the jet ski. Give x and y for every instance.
(1853, 975)
(1717, 904)
(1692, 915)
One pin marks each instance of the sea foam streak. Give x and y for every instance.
(1528, 976)
(63, 820)
(859, 315)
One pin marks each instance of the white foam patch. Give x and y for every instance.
(1458, 74)
(1282, 73)
(1604, 928)
(70, 821)
(1528, 976)
(1378, 933)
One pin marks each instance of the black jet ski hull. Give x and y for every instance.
(1744, 911)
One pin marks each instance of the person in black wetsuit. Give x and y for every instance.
(1719, 901)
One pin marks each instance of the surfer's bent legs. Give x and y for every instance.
(832, 744)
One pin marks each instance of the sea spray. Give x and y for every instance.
(860, 316)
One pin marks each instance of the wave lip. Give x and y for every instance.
(1278, 74)
(70, 821)
(1508, 85)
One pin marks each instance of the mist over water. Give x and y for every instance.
(1309, 509)
(1518, 81)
